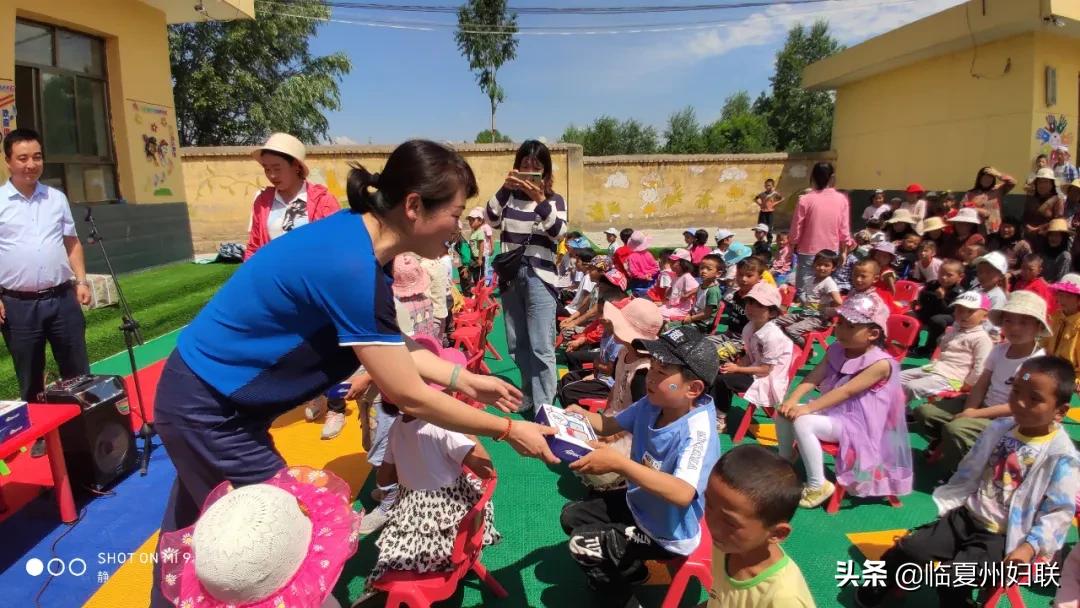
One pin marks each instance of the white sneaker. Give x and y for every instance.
(313, 410)
(335, 422)
(374, 520)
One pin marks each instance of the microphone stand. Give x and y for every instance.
(132, 336)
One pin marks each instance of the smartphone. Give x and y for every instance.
(536, 178)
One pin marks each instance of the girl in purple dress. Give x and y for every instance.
(861, 408)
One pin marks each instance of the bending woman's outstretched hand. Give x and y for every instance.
(490, 390)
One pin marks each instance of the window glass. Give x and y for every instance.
(58, 109)
(33, 43)
(79, 53)
(93, 118)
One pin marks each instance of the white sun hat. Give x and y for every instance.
(284, 143)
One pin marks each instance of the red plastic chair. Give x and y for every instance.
(416, 590)
(696, 565)
(748, 416)
(787, 296)
(592, 404)
(902, 332)
(905, 294)
(716, 319)
(833, 449)
(821, 337)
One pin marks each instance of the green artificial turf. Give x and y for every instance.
(162, 300)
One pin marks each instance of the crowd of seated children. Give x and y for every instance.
(953, 425)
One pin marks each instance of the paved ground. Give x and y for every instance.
(674, 238)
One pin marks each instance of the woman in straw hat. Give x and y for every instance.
(1056, 250)
(290, 201)
(1043, 204)
(988, 195)
(283, 329)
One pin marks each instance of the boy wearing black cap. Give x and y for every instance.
(674, 447)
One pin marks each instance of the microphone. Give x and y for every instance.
(88, 214)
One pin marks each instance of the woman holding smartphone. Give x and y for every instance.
(532, 216)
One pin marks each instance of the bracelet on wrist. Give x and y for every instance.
(454, 377)
(506, 432)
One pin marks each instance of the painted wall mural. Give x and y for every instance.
(7, 107)
(159, 174)
(1054, 136)
(664, 194)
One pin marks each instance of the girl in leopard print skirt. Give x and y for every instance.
(436, 493)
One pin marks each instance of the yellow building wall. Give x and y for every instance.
(139, 81)
(934, 123)
(1056, 124)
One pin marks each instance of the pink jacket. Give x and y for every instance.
(320, 203)
(821, 222)
(642, 265)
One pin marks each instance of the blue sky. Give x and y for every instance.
(416, 84)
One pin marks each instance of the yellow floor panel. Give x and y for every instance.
(1074, 414)
(299, 442)
(764, 433)
(874, 544)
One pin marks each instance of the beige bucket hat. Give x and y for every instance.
(284, 143)
(1027, 303)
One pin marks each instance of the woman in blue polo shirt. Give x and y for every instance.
(296, 318)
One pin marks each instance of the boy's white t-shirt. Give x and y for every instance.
(927, 273)
(1002, 373)
(427, 457)
(820, 292)
(585, 287)
(872, 212)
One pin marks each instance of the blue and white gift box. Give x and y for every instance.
(14, 418)
(572, 432)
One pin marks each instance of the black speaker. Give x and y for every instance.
(99, 445)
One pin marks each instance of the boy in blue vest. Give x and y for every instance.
(674, 447)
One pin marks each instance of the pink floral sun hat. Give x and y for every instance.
(410, 278)
(282, 542)
(1069, 283)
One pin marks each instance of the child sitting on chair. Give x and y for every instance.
(673, 448)
(683, 289)
(1014, 495)
(964, 350)
(861, 407)
(436, 492)
(292, 534)
(729, 345)
(763, 370)
(749, 502)
(639, 320)
(818, 303)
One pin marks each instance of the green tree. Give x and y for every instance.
(607, 136)
(740, 130)
(235, 82)
(683, 134)
(487, 136)
(485, 36)
(801, 119)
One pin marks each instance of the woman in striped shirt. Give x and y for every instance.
(531, 215)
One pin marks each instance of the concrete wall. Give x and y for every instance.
(644, 191)
(667, 191)
(140, 87)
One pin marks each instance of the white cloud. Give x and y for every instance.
(343, 140)
(850, 21)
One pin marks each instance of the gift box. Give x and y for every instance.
(14, 418)
(573, 433)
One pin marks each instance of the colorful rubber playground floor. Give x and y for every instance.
(111, 546)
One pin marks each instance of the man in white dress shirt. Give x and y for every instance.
(42, 273)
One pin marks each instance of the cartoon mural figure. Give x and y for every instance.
(7, 108)
(1053, 136)
(159, 147)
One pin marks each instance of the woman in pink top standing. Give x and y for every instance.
(821, 221)
(641, 266)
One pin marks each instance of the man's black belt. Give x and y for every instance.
(44, 294)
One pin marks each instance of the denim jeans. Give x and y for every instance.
(804, 273)
(529, 307)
